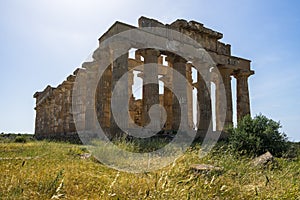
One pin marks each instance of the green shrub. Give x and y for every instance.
(20, 139)
(258, 135)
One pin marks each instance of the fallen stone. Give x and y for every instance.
(85, 155)
(263, 159)
(204, 168)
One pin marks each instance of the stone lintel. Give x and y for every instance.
(232, 62)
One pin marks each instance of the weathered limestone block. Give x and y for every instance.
(263, 159)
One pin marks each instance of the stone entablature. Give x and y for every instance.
(55, 118)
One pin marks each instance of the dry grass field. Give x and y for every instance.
(53, 170)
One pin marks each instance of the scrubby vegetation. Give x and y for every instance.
(12, 137)
(257, 136)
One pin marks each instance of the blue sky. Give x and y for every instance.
(42, 42)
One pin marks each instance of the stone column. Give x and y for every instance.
(168, 100)
(47, 117)
(69, 125)
(71, 80)
(203, 86)
(189, 89)
(223, 84)
(120, 68)
(38, 120)
(51, 114)
(60, 102)
(56, 109)
(179, 64)
(150, 86)
(243, 101)
(80, 99)
(103, 98)
(91, 81)
(130, 96)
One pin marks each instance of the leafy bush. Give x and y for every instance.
(20, 139)
(258, 135)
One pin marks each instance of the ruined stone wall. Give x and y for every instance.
(54, 117)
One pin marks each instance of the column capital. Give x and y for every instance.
(225, 70)
(242, 73)
(198, 63)
(221, 73)
(148, 52)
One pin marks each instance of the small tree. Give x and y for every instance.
(258, 135)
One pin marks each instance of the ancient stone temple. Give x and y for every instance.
(54, 111)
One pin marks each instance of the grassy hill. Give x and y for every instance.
(44, 170)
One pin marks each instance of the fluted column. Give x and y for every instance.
(60, 102)
(119, 69)
(79, 96)
(38, 120)
(204, 100)
(179, 64)
(91, 81)
(189, 90)
(51, 115)
(69, 125)
(150, 86)
(103, 98)
(130, 96)
(168, 100)
(223, 111)
(243, 101)
(46, 117)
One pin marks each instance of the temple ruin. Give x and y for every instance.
(55, 117)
